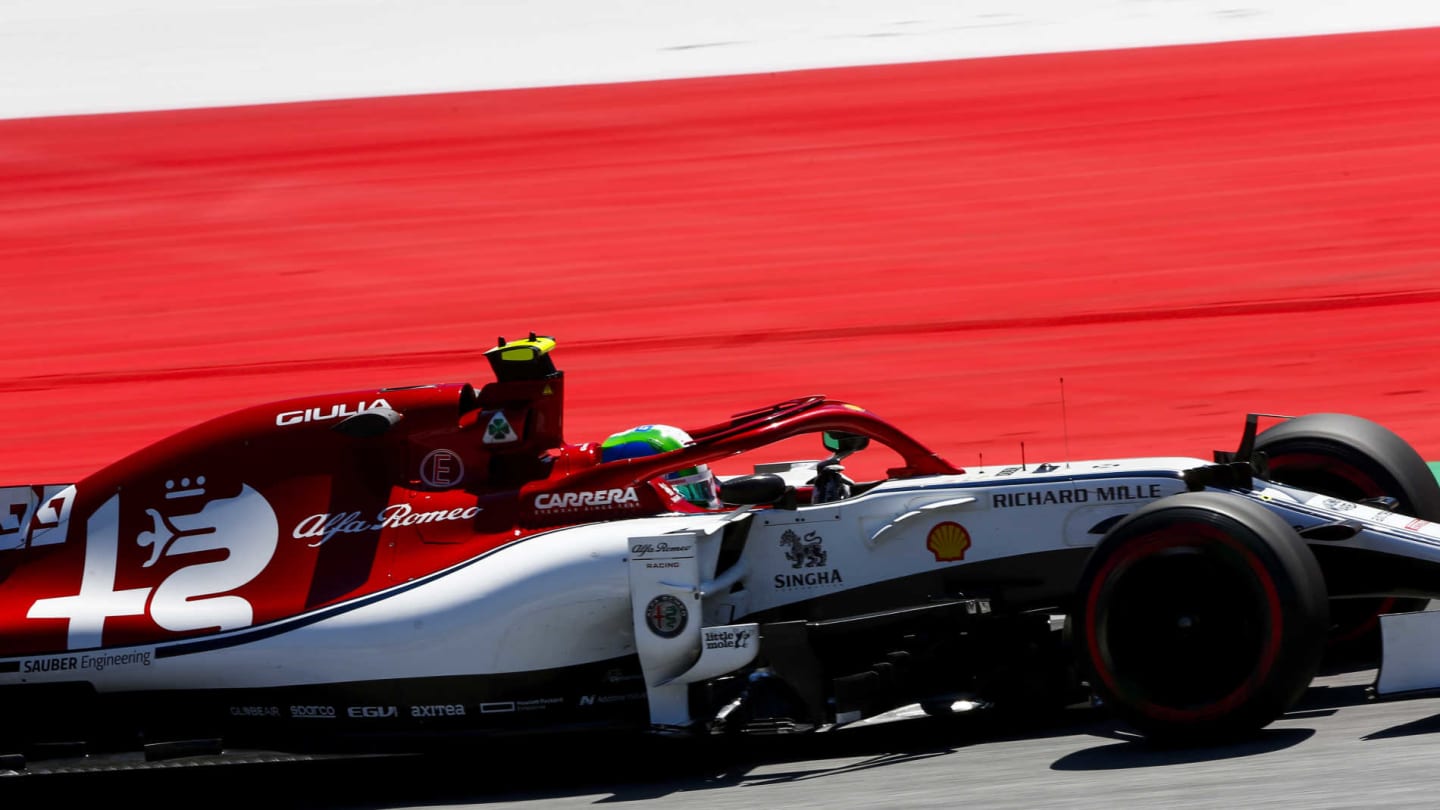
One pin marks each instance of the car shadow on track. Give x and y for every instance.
(609, 768)
(1423, 726)
(1345, 686)
(1133, 752)
(1337, 688)
(613, 769)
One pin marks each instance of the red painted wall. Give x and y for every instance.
(1183, 234)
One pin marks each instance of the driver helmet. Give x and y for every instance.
(695, 484)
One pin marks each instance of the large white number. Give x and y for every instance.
(245, 526)
(97, 600)
(52, 513)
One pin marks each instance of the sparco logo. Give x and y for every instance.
(323, 414)
(588, 499)
(371, 711)
(323, 712)
(326, 525)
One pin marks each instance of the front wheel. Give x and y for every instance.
(1353, 459)
(1202, 617)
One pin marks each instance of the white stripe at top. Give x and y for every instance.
(60, 57)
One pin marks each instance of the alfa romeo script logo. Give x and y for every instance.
(666, 616)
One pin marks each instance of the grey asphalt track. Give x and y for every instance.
(1336, 749)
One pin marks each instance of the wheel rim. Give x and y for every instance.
(1190, 617)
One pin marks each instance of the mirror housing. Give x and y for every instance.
(844, 443)
(755, 490)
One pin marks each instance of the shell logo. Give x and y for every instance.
(948, 541)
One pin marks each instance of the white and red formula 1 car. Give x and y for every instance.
(380, 568)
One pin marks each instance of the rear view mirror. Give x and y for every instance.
(844, 443)
(753, 490)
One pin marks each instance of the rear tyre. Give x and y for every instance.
(1201, 617)
(1353, 459)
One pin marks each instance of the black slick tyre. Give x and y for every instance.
(1353, 458)
(1202, 618)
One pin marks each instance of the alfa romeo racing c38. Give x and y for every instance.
(380, 568)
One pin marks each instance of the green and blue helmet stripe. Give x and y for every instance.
(695, 484)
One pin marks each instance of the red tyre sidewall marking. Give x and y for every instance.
(1329, 466)
(1155, 542)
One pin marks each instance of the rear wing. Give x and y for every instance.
(523, 410)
